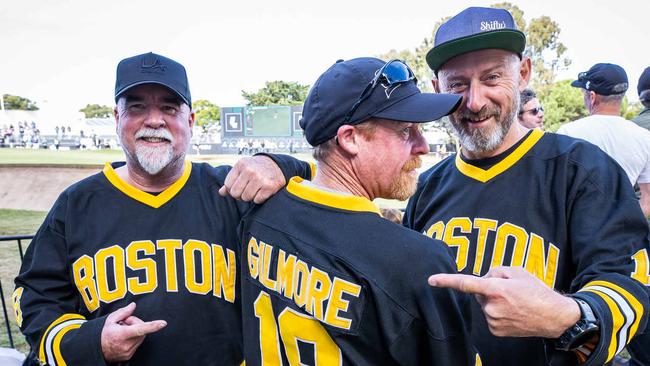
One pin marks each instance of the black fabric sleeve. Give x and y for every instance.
(291, 166)
(48, 306)
(609, 237)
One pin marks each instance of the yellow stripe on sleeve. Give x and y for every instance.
(59, 320)
(617, 319)
(634, 303)
(58, 357)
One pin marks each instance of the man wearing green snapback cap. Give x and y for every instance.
(551, 223)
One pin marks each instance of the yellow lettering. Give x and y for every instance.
(460, 242)
(15, 299)
(337, 303)
(191, 283)
(436, 230)
(319, 289)
(170, 247)
(267, 251)
(641, 267)
(294, 326)
(119, 273)
(224, 273)
(484, 226)
(504, 232)
(284, 281)
(542, 266)
(253, 258)
(300, 278)
(150, 282)
(83, 272)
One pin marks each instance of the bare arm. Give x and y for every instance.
(645, 198)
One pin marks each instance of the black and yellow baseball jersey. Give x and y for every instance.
(327, 281)
(105, 244)
(560, 208)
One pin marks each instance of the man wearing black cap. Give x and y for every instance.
(643, 88)
(327, 280)
(550, 222)
(604, 87)
(137, 263)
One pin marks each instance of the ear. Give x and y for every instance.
(116, 115)
(525, 72)
(348, 139)
(436, 85)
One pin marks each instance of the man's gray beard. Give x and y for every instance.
(477, 140)
(154, 159)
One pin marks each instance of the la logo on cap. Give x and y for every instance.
(155, 67)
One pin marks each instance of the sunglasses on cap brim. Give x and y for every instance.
(392, 73)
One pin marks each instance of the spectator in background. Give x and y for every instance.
(643, 88)
(531, 112)
(604, 87)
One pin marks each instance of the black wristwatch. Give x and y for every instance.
(582, 331)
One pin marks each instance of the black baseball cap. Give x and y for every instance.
(150, 68)
(338, 89)
(644, 85)
(474, 29)
(603, 79)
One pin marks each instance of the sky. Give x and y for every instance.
(62, 54)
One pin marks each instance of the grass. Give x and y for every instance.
(14, 222)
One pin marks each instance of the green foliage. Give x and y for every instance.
(19, 103)
(96, 111)
(562, 103)
(630, 110)
(206, 112)
(278, 92)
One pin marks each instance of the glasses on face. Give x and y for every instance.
(534, 111)
(393, 72)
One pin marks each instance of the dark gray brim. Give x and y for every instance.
(421, 107)
(117, 96)
(505, 39)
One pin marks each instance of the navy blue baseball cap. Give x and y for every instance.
(338, 89)
(150, 68)
(475, 29)
(644, 85)
(603, 79)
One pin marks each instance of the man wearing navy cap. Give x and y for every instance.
(551, 223)
(137, 263)
(604, 87)
(327, 280)
(643, 88)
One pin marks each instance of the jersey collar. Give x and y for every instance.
(484, 175)
(330, 199)
(148, 199)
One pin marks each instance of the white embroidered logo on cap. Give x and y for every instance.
(493, 25)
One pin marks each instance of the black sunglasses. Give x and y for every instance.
(533, 111)
(392, 73)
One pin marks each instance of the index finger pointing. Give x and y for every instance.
(144, 328)
(464, 283)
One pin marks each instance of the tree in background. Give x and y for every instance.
(278, 93)
(18, 103)
(544, 48)
(206, 112)
(97, 111)
(562, 103)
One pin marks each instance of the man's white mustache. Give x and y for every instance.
(153, 132)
